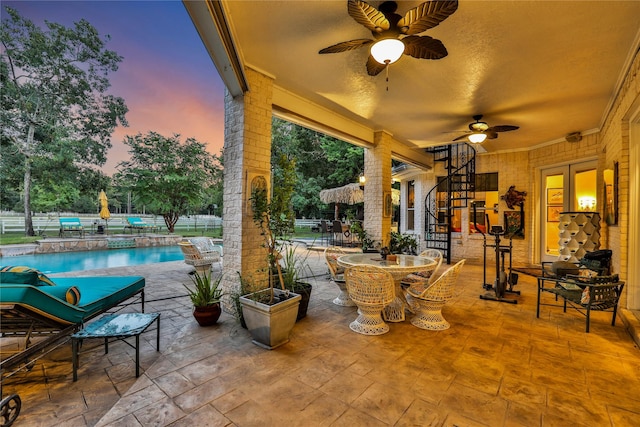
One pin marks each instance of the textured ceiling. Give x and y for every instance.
(549, 67)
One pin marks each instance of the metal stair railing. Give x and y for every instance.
(458, 187)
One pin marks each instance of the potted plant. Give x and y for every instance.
(368, 245)
(296, 267)
(205, 298)
(402, 243)
(270, 313)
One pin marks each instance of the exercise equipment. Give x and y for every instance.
(503, 282)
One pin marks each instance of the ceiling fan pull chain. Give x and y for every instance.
(387, 67)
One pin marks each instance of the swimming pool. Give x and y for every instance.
(91, 260)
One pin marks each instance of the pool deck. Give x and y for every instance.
(498, 365)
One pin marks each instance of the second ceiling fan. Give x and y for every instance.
(480, 131)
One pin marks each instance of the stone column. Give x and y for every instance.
(377, 170)
(247, 153)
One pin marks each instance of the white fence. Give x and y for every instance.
(50, 224)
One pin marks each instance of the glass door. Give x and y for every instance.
(564, 188)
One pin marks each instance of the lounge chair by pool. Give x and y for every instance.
(33, 305)
(138, 224)
(71, 226)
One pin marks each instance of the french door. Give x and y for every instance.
(564, 188)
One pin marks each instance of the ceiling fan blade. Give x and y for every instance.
(503, 128)
(425, 16)
(491, 134)
(374, 67)
(424, 47)
(367, 15)
(345, 46)
(461, 137)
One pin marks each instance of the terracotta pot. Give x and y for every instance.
(207, 316)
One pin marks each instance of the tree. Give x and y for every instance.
(166, 176)
(53, 97)
(321, 162)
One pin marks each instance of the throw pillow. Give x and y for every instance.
(24, 275)
(73, 295)
(562, 268)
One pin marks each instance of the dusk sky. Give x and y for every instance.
(166, 77)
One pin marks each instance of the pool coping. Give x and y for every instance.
(88, 243)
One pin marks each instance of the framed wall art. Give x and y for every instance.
(553, 213)
(387, 204)
(555, 196)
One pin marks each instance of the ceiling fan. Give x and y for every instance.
(479, 131)
(393, 34)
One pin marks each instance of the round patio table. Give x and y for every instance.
(399, 268)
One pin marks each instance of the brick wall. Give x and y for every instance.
(247, 152)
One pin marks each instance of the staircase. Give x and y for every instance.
(451, 192)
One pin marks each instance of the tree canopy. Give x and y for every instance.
(166, 176)
(321, 162)
(54, 96)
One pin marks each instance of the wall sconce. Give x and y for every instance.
(362, 179)
(587, 203)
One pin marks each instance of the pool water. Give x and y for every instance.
(92, 260)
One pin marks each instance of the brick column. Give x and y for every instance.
(247, 152)
(377, 170)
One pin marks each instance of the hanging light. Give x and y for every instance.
(387, 51)
(477, 137)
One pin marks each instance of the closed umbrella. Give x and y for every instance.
(104, 206)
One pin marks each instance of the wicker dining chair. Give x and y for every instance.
(432, 297)
(371, 288)
(331, 255)
(420, 277)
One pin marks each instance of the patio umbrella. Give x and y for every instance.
(349, 194)
(104, 206)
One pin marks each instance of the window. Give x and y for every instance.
(486, 199)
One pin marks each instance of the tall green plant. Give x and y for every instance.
(275, 218)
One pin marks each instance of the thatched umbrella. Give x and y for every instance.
(349, 194)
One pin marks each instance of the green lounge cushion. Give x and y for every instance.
(96, 294)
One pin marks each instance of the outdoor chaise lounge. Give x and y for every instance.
(138, 224)
(71, 226)
(33, 305)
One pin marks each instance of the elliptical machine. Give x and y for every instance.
(503, 282)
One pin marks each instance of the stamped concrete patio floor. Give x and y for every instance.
(498, 365)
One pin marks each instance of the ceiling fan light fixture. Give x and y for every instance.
(477, 137)
(387, 51)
